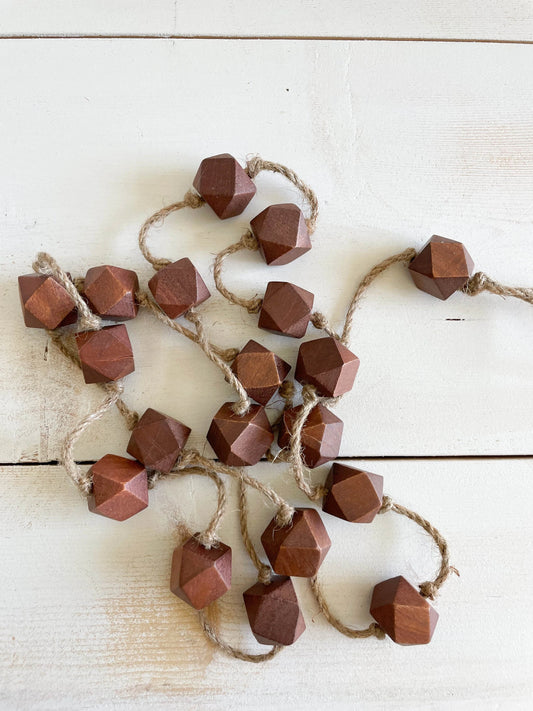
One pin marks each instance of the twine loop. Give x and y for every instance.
(480, 282)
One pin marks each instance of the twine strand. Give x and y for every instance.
(46, 265)
(231, 651)
(480, 282)
(264, 572)
(190, 199)
(247, 241)
(298, 469)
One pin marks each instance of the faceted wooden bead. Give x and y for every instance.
(441, 267)
(224, 185)
(120, 487)
(299, 548)
(328, 365)
(402, 612)
(240, 440)
(110, 292)
(273, 611)
(105, 355)
(157, 440)
(353, 494)
(282, 233)
(45, 302)
(286, 309)
(321, 435)
(200, 575)
(178, 287)
(260, 371)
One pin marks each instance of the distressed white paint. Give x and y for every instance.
(399, 140)
(87, 621)
(467, 19)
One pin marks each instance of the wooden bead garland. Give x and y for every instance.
(296, 540)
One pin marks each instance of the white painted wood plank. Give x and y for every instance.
(399, 140)
(87, 621)
(467, 19)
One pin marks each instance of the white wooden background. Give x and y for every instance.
(400, 138)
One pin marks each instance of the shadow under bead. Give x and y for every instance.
(224, 185)
(200, 575)
(299, 548)
(273, 611)
(286, 309)
(120, 487)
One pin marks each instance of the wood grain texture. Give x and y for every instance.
(87, 620)
(468, 19)
(399, 140)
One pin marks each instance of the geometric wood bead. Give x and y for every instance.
(286, 309)
(224, 185)
(110, 292)
(105, 355)
(442, 267)
(299, 548)
(273, 611)
(260, 371)
(402, 612)
(200, 575)
(157, 440)
(282, 233)
(352, 494)
(120, 487)
(328, 365)
(240, 440)
(45, 302)
(321, 435)
(178, 287)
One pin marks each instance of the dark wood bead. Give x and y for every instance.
(273, 611)
(286, 309)
(282, 233)
(328, 365)
(178, 287)
(45, 303)
(321, 435)
(240, 440)
(402, 612)
(200, 575)
(224, 185)
(442, 267)
(120, 487)
(105, 355)
(299, 548)
(260, 371)
(157, 440)
(353, 494)
(110, 292)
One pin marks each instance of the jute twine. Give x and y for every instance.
(480, 282)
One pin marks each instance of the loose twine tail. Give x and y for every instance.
(190, 199)
(298, 469)
(429, 588)
(406, 256)
(247, 241)
(46, 265)
(482, 282)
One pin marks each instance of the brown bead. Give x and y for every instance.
(110, 292)
(328, 365)
(273, 611)
(441, 267)
(282, 233)
(200, 575)
(286, 309)
(157, 440)
(260, 371)
(105, 355)
(240, 440)
(120, 487)
(224, 185)
(402, 612)
(45, 303)
(299, 548)
(178, 287)
(353, 494)
(321, 435)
